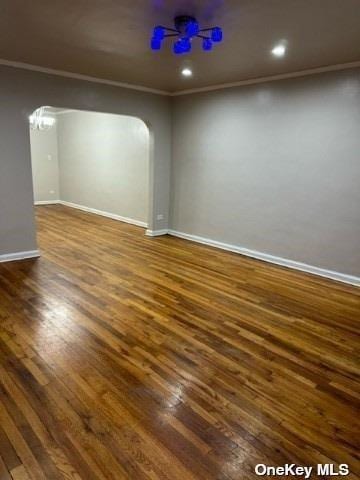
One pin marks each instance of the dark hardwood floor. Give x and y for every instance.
(126, 357)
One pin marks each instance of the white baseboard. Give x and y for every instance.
(46, 202)
(104, 214)
(156, 233)
(11, 257)
(113, 216)
(284, 262)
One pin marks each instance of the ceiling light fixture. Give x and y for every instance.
(186, 72)
(41, 120)
(279, 50)
(186, 29)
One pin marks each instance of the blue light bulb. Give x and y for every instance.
(216, 34)
(159, 33)
(192, 28)
(207, 44)
(177, 48)
(186, 45)
(183, 45)
(155, 44)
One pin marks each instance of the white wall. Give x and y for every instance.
(45, 165)
(104, 163)
(273, 168)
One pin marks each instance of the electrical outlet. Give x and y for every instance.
(160, 216)
(49, 157)
(52, 192)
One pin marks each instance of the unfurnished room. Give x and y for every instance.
(179, 239)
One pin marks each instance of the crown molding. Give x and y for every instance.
(272, 78)
(240, 83)
(79, 76)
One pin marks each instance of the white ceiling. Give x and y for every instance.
(110, 39)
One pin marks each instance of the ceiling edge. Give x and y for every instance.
(252, 81)
(63, 112)
(79, 76)
(272, 78)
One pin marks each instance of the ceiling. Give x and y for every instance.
(109, 39)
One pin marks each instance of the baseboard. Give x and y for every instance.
(156, 233)
(113, 216)
(11, 257)
(284, 262)
(47, 202)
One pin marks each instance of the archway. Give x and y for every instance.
(23, 92)
(94, 161)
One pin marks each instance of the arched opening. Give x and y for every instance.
(94, 161)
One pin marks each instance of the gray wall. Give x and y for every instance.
(273, 168)
(21, 92)
(45, 165)
(104, 163)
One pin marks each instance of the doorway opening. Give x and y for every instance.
(97, 162)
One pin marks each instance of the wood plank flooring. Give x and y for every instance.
(126, 357)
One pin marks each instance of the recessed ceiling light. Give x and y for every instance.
(186, 72)
(279, 50)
